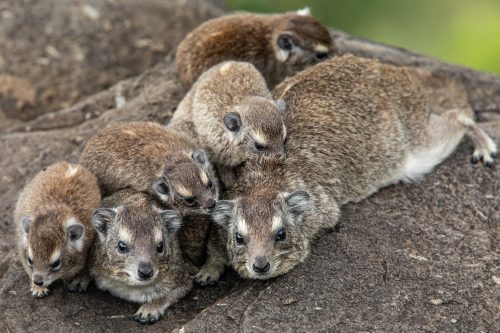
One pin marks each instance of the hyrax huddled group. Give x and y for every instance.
(241, 176)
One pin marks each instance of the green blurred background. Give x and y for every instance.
(463, 32)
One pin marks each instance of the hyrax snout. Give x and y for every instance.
(136, 255)
(54, 228)
(150, 158)
(279, 45)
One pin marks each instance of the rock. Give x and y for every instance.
(390, 255)
(55, 53)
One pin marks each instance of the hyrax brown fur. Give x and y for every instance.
(151, 158)
(229, 110)
(54, 230)
(137, 255)
(279, 45)
(354, 125)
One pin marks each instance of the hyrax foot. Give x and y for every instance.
(208, 275)
(484, 148)
(79, 283)
(39, 292)
(149, 314)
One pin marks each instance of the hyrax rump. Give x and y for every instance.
(354, 126)
(54, 230)
(150, 158)
(136, 255)
(279, 45)
(230, 112)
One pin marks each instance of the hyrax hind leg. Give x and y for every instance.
(216, 261)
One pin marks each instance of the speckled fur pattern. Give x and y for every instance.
(354, 125)
(137, 221)
(231, 87)
(253, 38)
(133, 155)
(58, 197)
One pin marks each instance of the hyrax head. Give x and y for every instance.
(188, 183)
(265, 236)
(135, 240)
(255, 127)
(299, 41)
(54, 245)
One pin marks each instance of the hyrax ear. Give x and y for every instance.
(306, 11)
(101, 217)
(281, 105)
(232, 121)
(297, 202)
(286, 42)
(162, 188)
(223, 212)
(200, 156)
(75, 231)
(25, 223)
(172, 220)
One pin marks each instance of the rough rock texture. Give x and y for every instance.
(420, 257)
(54, 53)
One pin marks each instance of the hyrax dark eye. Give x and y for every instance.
(190, 201)
(56, 265)
(259, 146)
(280, 235)
(30, 261)
(159, 247)
(210, 184)
(239, 239)
(321, 55)
(122, 247)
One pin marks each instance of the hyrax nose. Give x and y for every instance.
(261, 265)
(38, 281)
(211, 203)
(145, 270)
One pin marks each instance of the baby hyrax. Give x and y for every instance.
(148, 157)
(279, 45)
(229, 110)
(355, 125)
(54, 228)
(136, 255)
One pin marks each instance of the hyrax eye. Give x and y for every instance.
(210, 184)
(259, 146)
(122, 247)
(280, 235)
(55, 265)
(190, 201)
(321, 55)
(159, 247)
(30, 261)
(239, 239)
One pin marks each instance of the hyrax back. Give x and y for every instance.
(354, 126)
(150, 158)
(54, 230)
(232, 115)
(279, 45)
(136, 255)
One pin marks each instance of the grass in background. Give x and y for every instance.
(457, 31)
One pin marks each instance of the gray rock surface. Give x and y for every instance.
(412, 258)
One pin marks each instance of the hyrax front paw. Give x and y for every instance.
(485, 150)
(207, 276)
(148, 314)
(79, 284)
(39, 292)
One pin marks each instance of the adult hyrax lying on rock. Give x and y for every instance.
(150, 158)
(229, 110)
(354, 126)
(54, 228)
(136, 255)
(279, 45)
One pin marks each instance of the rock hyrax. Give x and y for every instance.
(136, 255)
(232, 115)
(279, 45)
(354, 125)
(150, 158)
(54, 228)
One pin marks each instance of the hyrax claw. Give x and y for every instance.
(39, 292)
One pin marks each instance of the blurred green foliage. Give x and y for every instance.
(458, 31)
